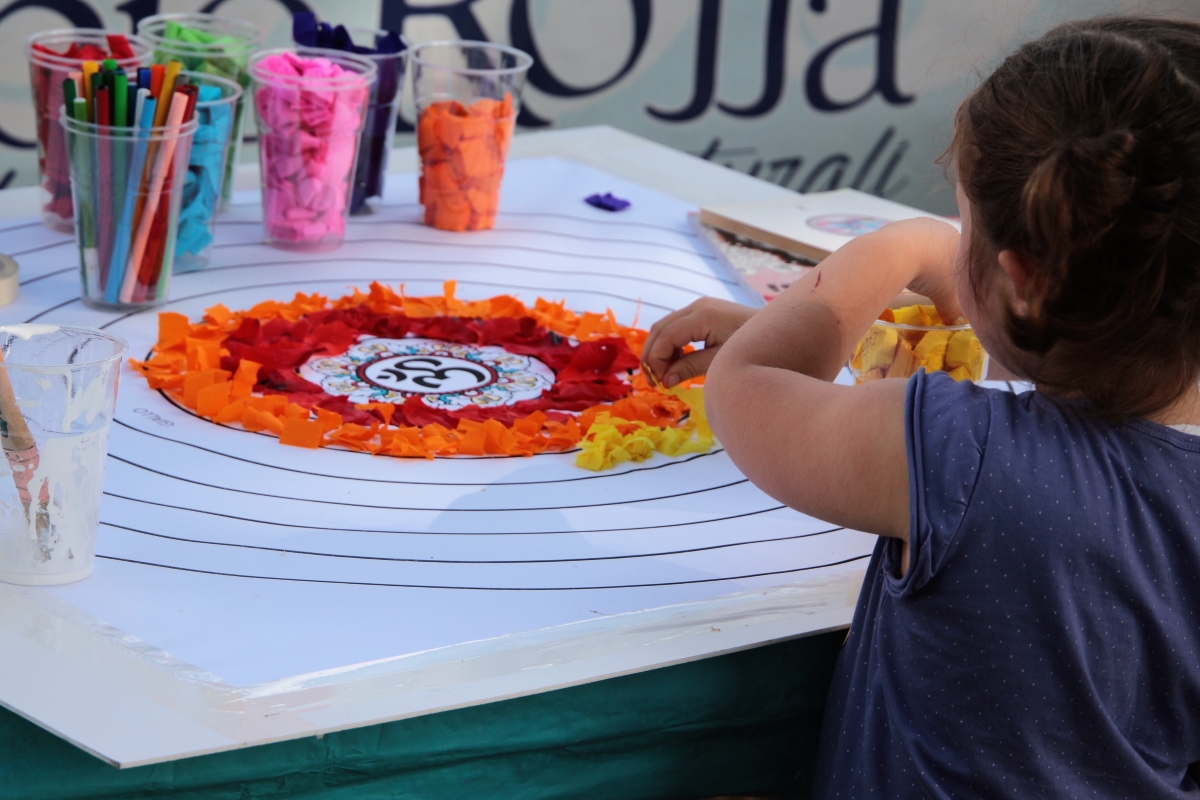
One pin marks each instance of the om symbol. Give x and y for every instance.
(416, 374)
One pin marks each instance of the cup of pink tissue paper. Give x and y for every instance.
(310, 104)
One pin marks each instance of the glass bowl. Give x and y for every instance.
(909, 337)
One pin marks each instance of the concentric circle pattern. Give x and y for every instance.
(315, 559)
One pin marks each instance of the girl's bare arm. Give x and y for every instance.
(835, 452)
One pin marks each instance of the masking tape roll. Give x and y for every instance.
(10, 279)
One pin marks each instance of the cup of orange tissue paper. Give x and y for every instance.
(310, 104)
(911, 335)
(467, 96)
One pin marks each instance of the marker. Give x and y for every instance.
(112, 288)
(163, 164)
(89, 69)
(156, 80)
(167, 93)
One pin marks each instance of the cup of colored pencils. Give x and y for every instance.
(128, 142)
(309, 104)
(387, 49)
(467, 96)
(52, 56)
(213, 45)
(58, 389)
(216, 111)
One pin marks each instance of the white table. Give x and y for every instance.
(132, 703)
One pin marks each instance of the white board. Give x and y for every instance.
(248, 592)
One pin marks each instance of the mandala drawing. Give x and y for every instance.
(387, 374)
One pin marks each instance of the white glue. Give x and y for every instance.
(55, 541)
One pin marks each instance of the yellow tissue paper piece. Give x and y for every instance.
(879, 347)
(605, 446)
(932, 349)
(964, 350)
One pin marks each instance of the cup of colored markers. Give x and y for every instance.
(387, 50)
(52, 56)
(213, 45)
(216, 112)
(467, 96)
(309, 104)
(128, 143)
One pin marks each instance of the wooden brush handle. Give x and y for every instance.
(14, 432)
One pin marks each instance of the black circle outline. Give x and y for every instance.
(409, 508)
(673, 462)
(558, 234)
(464, 561)
(442, 533)
(489, 588)
(191, 413)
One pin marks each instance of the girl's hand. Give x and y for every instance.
(706, 320)
(935, 279)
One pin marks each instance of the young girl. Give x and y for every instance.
(1030, 621)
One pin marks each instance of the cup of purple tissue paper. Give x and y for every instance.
(388, 51)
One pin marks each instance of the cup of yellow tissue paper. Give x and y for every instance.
(908, 337)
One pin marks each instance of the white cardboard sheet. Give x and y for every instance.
(235, 572)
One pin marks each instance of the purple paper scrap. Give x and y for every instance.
(607, 202)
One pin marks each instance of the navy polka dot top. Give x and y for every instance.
(1045, 642)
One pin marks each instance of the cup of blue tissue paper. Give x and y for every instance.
(216, 108)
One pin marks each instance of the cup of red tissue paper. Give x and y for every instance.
(54, 56)
(310, 105)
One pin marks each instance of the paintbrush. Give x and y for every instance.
(21, 451)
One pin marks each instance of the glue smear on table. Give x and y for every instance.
(57, 544)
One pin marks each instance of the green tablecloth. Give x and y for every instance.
(744, 723)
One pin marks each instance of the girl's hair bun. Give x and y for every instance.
(1082, 153)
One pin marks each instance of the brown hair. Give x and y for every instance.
(1081, 152)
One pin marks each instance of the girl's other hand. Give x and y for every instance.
(707, 320)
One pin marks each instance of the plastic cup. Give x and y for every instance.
(379, 130)
(127, 184)
(227, 57)
(47, 72)
(216, 120)
(308, 132)
(58, 390)
(467, 95)
(897, 349)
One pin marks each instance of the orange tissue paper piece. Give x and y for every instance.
(302, 433)
(212, 399)
(244, 379)
(195, 381)
(173, 330)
